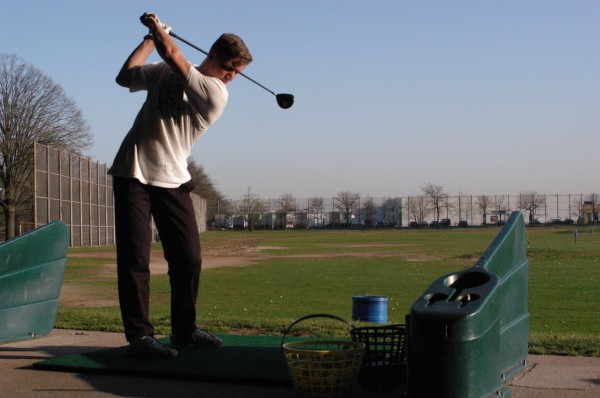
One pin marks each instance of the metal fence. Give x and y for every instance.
(405, 211)
(76, 190)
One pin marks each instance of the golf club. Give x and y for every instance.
(285, 101)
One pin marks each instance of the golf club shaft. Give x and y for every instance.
(204, 52)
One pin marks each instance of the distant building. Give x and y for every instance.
(589, 212)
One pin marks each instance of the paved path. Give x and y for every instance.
(549, 376)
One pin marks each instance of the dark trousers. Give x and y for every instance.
(175, 220)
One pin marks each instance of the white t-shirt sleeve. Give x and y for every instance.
(206, 95)
(142, 76)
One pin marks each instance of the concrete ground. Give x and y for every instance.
(548, 376)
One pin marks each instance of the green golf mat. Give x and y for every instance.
(241, 359)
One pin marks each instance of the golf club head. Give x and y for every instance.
(285, 101)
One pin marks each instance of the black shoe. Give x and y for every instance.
(150, 348)
(200, 338)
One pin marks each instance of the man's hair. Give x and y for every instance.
(230, 46)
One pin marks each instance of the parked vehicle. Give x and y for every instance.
(463, 223)
(445, 222)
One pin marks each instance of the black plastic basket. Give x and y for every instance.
(384, 364)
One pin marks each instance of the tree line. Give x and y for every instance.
(433, 201)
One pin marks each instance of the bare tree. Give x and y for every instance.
(438, 198)
(465, 206)
(316, 207)
(286, 204)
(447, 204)
(531, 201)
(483, 203)
(417, 208)
(205, 187)
(577, 206)
(391, 209)
(369, 211)
(32, 108)
(345, 202)
(500, 208)
(251, 207)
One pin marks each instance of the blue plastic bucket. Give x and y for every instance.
(370, 309)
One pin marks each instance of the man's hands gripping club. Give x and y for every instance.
(152, 22)
(165, 46)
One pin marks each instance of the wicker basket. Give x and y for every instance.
(323, 368)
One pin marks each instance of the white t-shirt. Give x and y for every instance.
(174, 116)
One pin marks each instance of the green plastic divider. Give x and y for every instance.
(32, 268)
(468, 332)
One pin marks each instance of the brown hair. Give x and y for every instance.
(230, 46)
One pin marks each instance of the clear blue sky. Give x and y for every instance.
(482, 97)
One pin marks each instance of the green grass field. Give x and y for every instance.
(295, 273)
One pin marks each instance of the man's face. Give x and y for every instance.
(225, 70)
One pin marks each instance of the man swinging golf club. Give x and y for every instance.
(150, 178)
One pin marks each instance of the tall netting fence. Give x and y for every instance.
(76, 190)
(79, 191)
